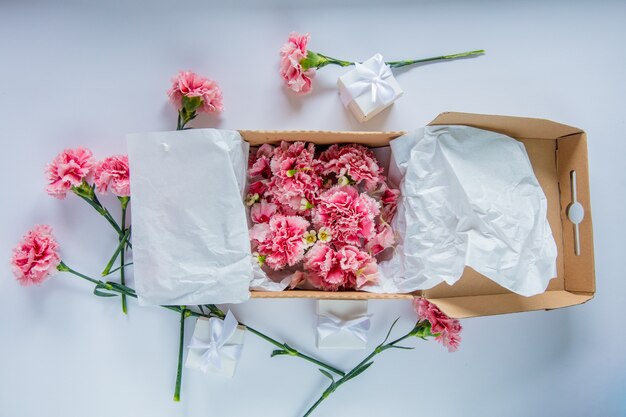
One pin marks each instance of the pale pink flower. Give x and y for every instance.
(35, 257)
(190, 84)
(291, 54)
(282, 244)
(297, 278)
(353, 162)
(368, 274)
(332, 269)
(262, 212)
(383, 239)
(69, 169)
(447, 330)
(349, 215)
(113, 173)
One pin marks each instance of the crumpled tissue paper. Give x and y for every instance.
(469, 198)
(189, 226)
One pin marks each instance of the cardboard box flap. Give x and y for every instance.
(486, 305)
(516, 127)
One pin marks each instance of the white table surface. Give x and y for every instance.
(79, 73)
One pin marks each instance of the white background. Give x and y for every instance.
(84, 74)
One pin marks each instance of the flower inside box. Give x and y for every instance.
(555, 151)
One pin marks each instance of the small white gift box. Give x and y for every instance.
(342, 324)
(369, 88)
(216, 346)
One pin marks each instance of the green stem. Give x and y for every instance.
(179, 371)
(398, 64)
(184, 117)
(285, 349)
(117, 269)
(64, 268)
(327, 60)
(215, 312)
(124, 203)
(118, 250)
(357, 369)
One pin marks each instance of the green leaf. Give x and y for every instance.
(327, 374)
(102, 291)
(360, 370)
(390, 329)
(402, 347)
(278, 352)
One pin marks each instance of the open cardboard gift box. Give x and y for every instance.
(555, 151)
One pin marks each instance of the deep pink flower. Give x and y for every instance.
(332, 269)
(113, 173)
(291, 54)
(294, 176)
(68, 169)
(190, 84)
(35, 257)
(259, 161)
(389, 200)
(349, 215)
(355, 162)
(258, 187)
(282, 241)
(383, 239)
(262, 212)
(447, 330)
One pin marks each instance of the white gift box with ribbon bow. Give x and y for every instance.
(216, 345)
(369, 88)
(342, 324)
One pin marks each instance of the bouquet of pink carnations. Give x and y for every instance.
(323, 216)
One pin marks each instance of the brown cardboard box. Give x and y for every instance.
(555, 150)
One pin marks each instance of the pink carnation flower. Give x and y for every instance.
(294, 176)
(291, 54)
(383, 239)
(69, 169)
(259, 163)
(258, 187)
(190, 84)
(262, 212)
(368, 274)
(332, 269)
(35, 257)
(389, 200)
(348, 214)
(447, 330)
(355, 162)
(113, 173)
(281, 241)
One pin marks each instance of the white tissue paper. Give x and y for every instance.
(189, 226)
(469, 198)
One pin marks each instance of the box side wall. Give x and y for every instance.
(579, 269)
(373, 139)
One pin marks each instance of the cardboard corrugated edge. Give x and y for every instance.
(578, 284)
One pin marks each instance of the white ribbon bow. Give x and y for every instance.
(329, 324)
(217, 345)
(372, 77)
